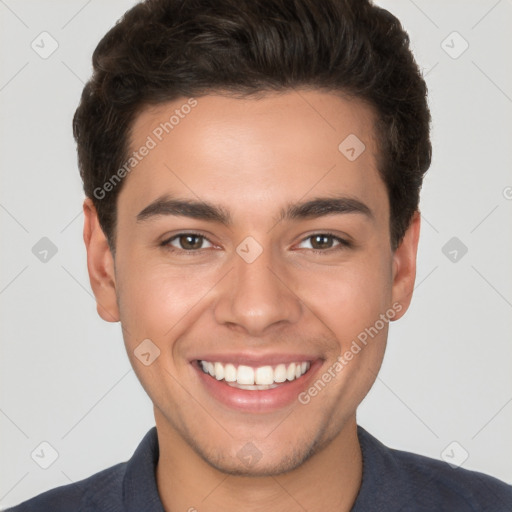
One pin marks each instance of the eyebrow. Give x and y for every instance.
(317, 207)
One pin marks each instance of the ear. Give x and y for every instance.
(404, 266)
(100, 265)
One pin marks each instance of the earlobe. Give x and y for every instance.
(100, 265)
(404, 266)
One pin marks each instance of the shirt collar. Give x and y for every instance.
(381, 475)
(140, 491)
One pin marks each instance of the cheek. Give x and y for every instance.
(155, 298)
(349, 302)
(348, 299)
(158, 300)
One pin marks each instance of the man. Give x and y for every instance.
(252, 171)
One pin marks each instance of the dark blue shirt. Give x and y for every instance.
(393, 481)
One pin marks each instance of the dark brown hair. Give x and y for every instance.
(161, 50)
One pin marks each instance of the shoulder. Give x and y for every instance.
(470, 489)
(126, 486)
(78, 496)
(423, 483)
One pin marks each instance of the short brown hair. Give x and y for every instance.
(161, 50)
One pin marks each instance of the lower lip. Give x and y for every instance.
(257, 401)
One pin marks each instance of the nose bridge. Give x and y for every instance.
(255, 295)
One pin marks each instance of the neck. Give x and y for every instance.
(329, 480)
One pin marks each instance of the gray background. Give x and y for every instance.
(65, 377)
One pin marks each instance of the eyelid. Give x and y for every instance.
(343, 242)
(166, 242)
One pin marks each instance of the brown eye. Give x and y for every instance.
(323, 242)
(186, 242)
(190, 242)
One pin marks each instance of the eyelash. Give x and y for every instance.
(343, 244)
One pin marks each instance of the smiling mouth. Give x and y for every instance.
(259, 378)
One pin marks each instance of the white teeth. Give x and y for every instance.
(264, 375)
(260, 378)
(230, 373)
(255, 387)
(219, 371)
(245, 375)
(280, 373)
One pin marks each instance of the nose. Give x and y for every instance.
(257, 296)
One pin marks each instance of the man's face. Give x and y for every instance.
(244, 277)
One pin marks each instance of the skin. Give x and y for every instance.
(253, 157)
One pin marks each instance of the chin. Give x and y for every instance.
(260, 459)
(278, 464)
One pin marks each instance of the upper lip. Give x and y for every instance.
(255, 360)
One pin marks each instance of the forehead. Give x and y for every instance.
(254, 150)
